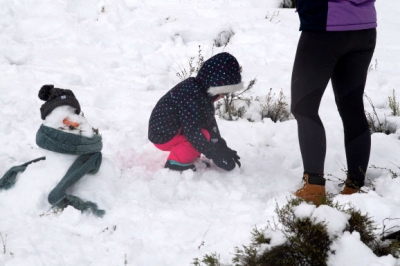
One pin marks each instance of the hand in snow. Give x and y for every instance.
(223, 148)
(236, 158)
(226, 158)
(221, 143)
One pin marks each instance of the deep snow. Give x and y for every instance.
(119, 62)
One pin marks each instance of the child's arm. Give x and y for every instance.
(191, 114)
(213, 129)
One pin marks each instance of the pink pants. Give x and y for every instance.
(180, 148)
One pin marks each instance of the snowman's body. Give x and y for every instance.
(29, 195)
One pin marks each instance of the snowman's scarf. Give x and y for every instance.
(10, 177)
(88, 162)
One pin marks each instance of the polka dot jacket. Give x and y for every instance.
(188, 106)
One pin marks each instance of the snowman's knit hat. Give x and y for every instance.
(56, 97)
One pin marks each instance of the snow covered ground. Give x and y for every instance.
(119, 57)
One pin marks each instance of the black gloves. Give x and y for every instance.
(221, 143)
(223, 156)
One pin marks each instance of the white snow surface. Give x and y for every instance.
(119, 57)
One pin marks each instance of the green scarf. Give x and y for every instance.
(88, 162)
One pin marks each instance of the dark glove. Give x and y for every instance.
(221, 143)
(236, 158)
(223, 148)
(228, 152)
(226, 158)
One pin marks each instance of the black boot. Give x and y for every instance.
(173, 165)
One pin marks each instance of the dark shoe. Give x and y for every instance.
(350, 187)
(313, 189)
(174, 165)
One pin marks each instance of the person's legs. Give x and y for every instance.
(181, 151)
(348, 81)
(313, 66)
(315, 59)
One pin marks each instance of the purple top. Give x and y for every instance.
(351, 15)
(336, 15)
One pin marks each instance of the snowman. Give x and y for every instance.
(72, 164)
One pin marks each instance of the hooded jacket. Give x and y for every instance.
(336, 15)
(189, 106)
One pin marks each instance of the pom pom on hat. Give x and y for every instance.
(56, 97)
(44, 93)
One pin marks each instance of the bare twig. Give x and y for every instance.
(384, 230)
(394, 104)
(4, 240)
(202, 240)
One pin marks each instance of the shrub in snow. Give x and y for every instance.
(288, 4)
(394, 104)
(209, 260)
(306, 238)
(375, 124)
(392, 172)
(364, 225)
(192, 68)
(233, 105)
(275, 108)
(361, 223)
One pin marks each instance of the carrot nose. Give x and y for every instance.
(68, 122)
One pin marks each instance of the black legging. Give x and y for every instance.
(343, 57)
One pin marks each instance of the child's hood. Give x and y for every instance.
(220, 74)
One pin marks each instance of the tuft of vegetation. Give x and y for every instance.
(273, 17)
(390, 241)
(288, 4)
(233, 105)
(394, 104)
(374, 123)
(4, 240)
(249, 255)
(392, 172)
(307, 241)
(193, 67)
(276, 109)
(208, 260)
(373, 66)
(363, 224)
(258, 237)
(384, 248)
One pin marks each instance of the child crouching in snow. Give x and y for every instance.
(183, 121)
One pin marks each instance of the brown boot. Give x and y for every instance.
(350, 187)
(313, 190)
